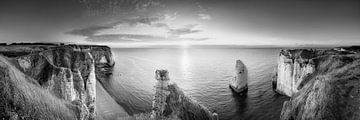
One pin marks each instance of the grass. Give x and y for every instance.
(178, 105)
(333, 92)
(24, 99)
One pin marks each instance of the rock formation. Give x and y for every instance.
(323, 84)
(170, 103)
(239, 82)
(293, 67)
(64, 74)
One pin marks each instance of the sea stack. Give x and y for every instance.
(239, 82)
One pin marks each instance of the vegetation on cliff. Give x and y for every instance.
(22, 97)
(170, 102)
(331, 92)
(64, 75)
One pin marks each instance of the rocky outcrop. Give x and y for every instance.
(170, 103)
(67, 72)
(239, 82)
(324, 87)
(293, 67)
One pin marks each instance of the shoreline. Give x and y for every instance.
(107, 107)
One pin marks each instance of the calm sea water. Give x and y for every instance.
(203, 74)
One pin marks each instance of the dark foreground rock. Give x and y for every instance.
(51, 81)
(331, 91)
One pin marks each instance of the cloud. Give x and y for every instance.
(99, 7)
(204, 16)
(139, 20)
(127, 38)
(188, 29)
(92, 30)
(154, 21)
(143, 22)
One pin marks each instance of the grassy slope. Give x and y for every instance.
(23, 97)
(181, 106)
(333, 92)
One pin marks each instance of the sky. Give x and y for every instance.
(141, 23)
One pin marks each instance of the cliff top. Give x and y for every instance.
(20, 49)
(46, 44)
(312, 53)
(299, 53)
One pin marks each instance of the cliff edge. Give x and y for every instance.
(51, 81)
(323, 84)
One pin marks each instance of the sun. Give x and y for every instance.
(185, 44)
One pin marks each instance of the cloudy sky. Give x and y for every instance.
(139, 23)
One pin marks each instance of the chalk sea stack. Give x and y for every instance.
(170, 103)
(51, 81)
(239, 82)
(323, 84)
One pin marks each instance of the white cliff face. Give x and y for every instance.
(62, 84)
(239, 82)
(284, 79)
(91, 85)
(291, 72)
(69, 86)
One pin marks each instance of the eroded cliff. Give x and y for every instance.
(293, 67)
(325, 86)
(65, 73)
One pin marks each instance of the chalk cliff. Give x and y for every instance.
(66, 75)
(239, 82)
(293, 67)
(323, 84)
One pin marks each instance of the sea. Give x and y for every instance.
(203, 74)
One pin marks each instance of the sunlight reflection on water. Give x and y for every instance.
(185, 66)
